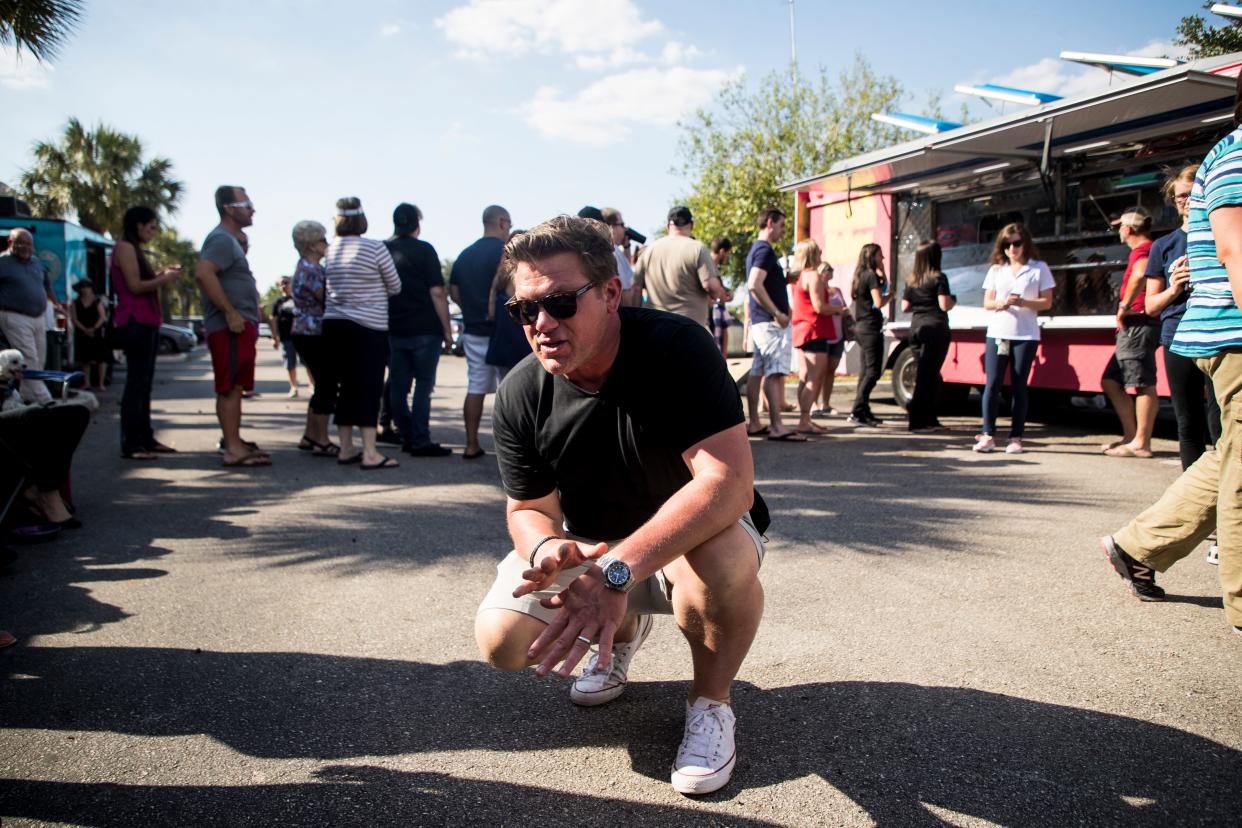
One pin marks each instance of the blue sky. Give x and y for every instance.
(539, 105)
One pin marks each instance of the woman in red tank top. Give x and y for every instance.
(816, 327)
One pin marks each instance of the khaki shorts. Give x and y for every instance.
(652, 596)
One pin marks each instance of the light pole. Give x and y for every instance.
(793, 46)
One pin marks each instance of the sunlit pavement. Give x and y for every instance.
(943, 643)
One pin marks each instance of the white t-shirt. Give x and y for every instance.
(1017, 323)
(624, 270)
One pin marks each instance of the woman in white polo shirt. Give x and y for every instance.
(1018, 286)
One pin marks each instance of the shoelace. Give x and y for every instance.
(698, 742)
(618, 651)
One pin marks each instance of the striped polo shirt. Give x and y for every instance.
(1213, 322)
(360, 278)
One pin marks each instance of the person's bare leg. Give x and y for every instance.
(810, 378)
(317, 427)
(370, 455)
(52, 507)
(345, 434)
(753, 384)
(1123, 405)
(1145, 405)
(472, 413)
(830, 379)
(293, 379)
(774, 391)
(228, 412)
(718, 603)
(504, 636)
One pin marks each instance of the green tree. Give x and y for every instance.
(739, 151)
(39, 27)
(1204, 40)
(168, 248)
(98, 174)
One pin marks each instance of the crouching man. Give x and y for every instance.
(623, 452)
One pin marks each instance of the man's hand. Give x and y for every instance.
(235, 321)
(588, 610)
(781, 319)
(566, 555)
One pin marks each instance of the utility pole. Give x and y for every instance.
(793, 46)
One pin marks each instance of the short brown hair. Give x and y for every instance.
(770, 214)
(350, 225)
(589, 240)
(226, 194)
(1015, 231)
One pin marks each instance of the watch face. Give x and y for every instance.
(617, 574)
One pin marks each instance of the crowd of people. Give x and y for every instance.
(630, 493)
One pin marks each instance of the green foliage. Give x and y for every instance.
(1204, 40)
(446, 268)
(182, 297)
(39, 27)
(99, 174)
(738, 152)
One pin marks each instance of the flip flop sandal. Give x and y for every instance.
(159, 448)
(254, 459)
(474, 456)
(348, 461)
(306, 444)
(788, 437)
(759, 432)
(1120, 451)
(325, 449)
(144, 454)
(386, 463)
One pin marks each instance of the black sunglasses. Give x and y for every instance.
(558, 305)
(1015, 243)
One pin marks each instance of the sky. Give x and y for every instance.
(541, 106)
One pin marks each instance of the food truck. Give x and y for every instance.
(1064, 168)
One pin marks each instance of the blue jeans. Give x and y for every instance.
(1022, 356)
(412, 360)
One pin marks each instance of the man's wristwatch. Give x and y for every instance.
(617, 575)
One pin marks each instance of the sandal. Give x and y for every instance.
(252, 459)
(348, 461)
(141, 454)
(328, 449)
(386, 463)
(157, 447)
(306, 444)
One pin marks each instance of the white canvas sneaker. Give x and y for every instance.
(707, 754)
(595, 687)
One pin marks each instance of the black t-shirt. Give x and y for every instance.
(283, 313)
(411, 312)
(614, 456)
(925, 299)
(473, 273)
(865, 311)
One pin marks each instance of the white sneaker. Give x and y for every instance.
(1213, 555)
(293, 393)
(707, 754)
(594, 687)
(1014, 447)
(985, 444)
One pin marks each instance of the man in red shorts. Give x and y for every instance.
(231, 320)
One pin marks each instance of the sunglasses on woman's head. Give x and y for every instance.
(558, 305)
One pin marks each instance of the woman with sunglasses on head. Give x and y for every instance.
(870, 293)
(359, 277)
(1018, 286)
(928, 299)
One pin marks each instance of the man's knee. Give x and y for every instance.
(719, 567)
(504, 636)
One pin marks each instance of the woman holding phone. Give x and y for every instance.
(1018, 286)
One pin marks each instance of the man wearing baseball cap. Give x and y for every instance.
(677, 271)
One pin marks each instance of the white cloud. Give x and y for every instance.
(604, 33)
(21, 71)
(676, 53)
(390, 30)
(1064, 78)
(606, 111)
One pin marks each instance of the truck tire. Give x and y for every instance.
(904, 369)
(167, 346)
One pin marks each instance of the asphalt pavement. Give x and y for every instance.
(943, 644)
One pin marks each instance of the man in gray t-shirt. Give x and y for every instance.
(25, 290)
(231, 320)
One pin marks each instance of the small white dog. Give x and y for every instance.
(12, 364)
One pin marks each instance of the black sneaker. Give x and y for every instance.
(392, 438)
(1141, 579)
(430, 450)
(874, 421)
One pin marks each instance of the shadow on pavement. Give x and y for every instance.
(892, 748)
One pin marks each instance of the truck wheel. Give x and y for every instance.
(905, 367)
(167, 346)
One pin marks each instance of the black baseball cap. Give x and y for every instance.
(592, 213)
(680, 216)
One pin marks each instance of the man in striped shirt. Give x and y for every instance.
(1209, 493)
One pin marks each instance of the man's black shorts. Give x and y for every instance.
(1134, 363)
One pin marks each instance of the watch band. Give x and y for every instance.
(542, 541)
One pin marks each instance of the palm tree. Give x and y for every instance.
(38, 26)
(98, 174)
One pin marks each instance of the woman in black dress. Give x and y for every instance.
(90, 343)
(928, 298)
(870, 293)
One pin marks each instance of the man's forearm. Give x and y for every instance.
(699, 511)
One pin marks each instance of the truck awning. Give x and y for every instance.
(1180, 99)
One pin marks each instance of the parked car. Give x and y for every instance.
(175, 339)
(265, 331)
(194, 323)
